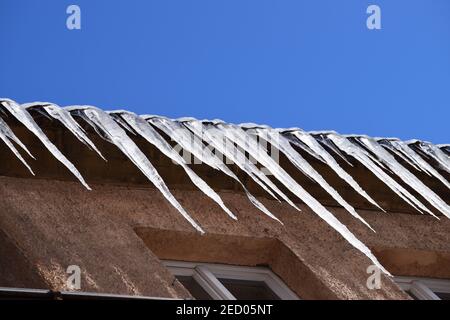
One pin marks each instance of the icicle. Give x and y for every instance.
(181, 136)
(436, 153)
(282, 143)
(239, 136)
(423, 165)
(400, 153)
(25, 118)
(362, 156)
(444, 147)
(67, 120)
(305, 148)
(354, 139)
(116, 135)
(295, 142)
(36, 106)
(117, 118)
(406, 176)
(326, 142)
(179, 133)
(311, 142)
(6, 134)
(144, 129)
(215, 137)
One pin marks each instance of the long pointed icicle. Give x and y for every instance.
(114, 133)
(179, 133)
(182, 137)
(291, 139)
(311, 142)
(329, 144)
(215, 137)
(6, 134)
(27, 120)
(239, 136)
(419, 161)
(144, 129)
(437, 154)
(444, 148)
(362, 156)
(306, 148)
(68, 121)
(406, 175)
(401, 153)
(280, 142)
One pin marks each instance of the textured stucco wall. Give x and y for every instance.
(54, 224)
(116, 232)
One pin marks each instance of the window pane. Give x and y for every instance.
(249, 290)
(443, 295)
(194, 288)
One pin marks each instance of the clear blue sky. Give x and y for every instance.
(306, 63)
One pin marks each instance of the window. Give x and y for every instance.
(425, 288)
(223, 282)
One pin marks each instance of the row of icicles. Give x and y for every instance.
(374, 154)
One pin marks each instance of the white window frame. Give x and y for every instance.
(423, 288)
(207, 274)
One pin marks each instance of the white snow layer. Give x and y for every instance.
(200, 137)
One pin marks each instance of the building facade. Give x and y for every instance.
(126, 238)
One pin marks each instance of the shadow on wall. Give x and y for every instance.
(15, 269)
(415, 262)
(246, 251)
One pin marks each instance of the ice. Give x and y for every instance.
(419, 161)
(144, 129)
(67, 120)
(400, 152)
(280, 142)
(406, 175)
(111, 131)
(315, 146)
(329, 144)
(22, 115)
(287, 134)
(7, 135)
(182, 136)
(240, 137)
(437, 154)
(362, 156)
(215, 138)
(198, 137)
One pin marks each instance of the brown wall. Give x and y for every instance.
(117, 232)
(55, 224)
